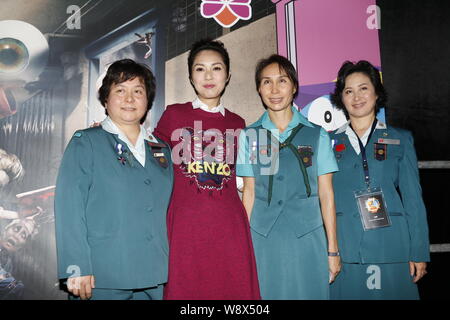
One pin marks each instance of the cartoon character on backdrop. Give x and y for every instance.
(317, 61)
(17, 230)
(23, 56)
(321, 112)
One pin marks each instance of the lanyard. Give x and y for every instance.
(365, 164)
(288, 143)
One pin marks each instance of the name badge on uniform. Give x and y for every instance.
(161, 159)
(372, 209)
(306, 153)
(389, 141)
(380, 151)
(159, 156)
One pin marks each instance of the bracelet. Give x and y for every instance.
(333, 254)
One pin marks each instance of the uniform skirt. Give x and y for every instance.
(292, 268)
(384, 281)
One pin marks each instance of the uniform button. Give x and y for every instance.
(147, 182)
(281, 178)
(149, 209)
(280, 202)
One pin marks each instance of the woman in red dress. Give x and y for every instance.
(210, 249)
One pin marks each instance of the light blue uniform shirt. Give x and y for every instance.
(325, 156)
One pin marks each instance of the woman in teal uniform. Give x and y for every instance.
(112, 193)
(381, 218)
(287, 164)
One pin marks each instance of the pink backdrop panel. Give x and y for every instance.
(328, 32)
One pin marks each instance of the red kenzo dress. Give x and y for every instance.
(210, 247)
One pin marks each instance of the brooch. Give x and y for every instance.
(123, 155)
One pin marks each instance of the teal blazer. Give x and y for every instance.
(111, 214)
(407, 237)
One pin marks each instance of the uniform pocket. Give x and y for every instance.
(304, 215)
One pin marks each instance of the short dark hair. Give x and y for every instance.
(208, 44)
(124, 70)
(283, 63)
(370, 71)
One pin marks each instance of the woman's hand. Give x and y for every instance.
(417, 270)
(81, 286)
(334, 265)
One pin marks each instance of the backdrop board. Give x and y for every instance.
(53, 53)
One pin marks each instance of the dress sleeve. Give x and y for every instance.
(243, 166)
(163, 128)
(71, 196)
(326, 161)
(411, 193)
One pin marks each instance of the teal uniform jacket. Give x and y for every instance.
(397, 175)
(111, 214)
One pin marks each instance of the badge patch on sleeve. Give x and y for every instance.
(306, 153)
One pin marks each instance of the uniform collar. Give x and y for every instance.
(198, 104)
(109, 126)
(297, 118)
(347, 129)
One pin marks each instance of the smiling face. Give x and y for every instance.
(359, 95)
(276, 88)
(127, 102)
(209, 76)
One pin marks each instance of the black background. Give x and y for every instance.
(415, 55)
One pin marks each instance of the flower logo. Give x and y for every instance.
(226, 12)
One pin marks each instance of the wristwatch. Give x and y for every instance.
(333, 254)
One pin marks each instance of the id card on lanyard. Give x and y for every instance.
(372, 208)
(370, 201)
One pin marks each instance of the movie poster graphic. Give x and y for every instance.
(47, 80)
